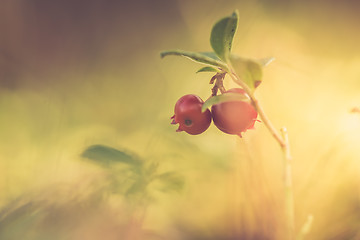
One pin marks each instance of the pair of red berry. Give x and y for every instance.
(234, 117)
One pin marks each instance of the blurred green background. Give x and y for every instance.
(77, 73)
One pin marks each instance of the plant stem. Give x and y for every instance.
(289, 196)
(284, 144)
(217, 80)
(306, 228)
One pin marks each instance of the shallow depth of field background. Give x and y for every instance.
(77, 73)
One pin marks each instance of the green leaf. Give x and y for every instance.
(207, 58)
(211, 55)
(222, 35)
(139, 186)
(226, 97)
(171, 181)
(249, 71)
(17, 221)
(105, 155)
(208, 69)
(266, 61)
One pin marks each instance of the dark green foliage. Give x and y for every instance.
(105, 156)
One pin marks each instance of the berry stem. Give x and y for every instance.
(214, 91)
(219, 83)
(289, 196)
(306, 228)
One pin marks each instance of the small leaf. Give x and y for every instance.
(207, 69)
(206, 58)
(151, 169)
(226, 97)
(249, 71)
(222, 35)
(266, 61)
(211, 55)
(105, 155)
(171, 181)
(139, 186)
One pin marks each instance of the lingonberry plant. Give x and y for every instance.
(236, 110)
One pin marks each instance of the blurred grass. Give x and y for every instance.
(74, 74)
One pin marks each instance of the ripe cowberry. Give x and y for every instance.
(234, 117)
(189, 116)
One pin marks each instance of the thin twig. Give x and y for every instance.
(220, 82)
(306, 228)
(289, 196)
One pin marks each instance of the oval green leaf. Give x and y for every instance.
(139, 186)
(211, 55)
(207, 58)
(249, 71)
(170, 181)
(208, 69)
(226, 97)
(222, 35)
(105, 155)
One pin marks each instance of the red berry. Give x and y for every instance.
(189, 116)
(234, 117)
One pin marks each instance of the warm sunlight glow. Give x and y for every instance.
(87, 150)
